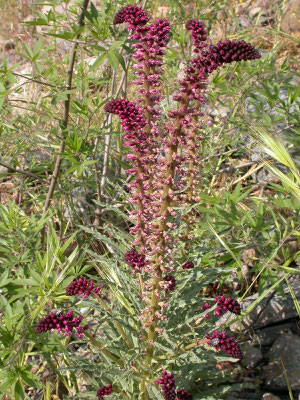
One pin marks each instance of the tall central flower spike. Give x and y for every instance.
(164, 155)
(149, 51)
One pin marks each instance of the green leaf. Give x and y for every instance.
(120, 59)
(98, 61)
(7, 383)
(28, 51)
(37, 22)
(63, 35)
(94, 11)
(30, 379)
(113, 60)
(19, 391)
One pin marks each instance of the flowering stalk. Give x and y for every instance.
(153, 189)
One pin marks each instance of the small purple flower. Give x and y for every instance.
(205, 307)
(133, 14)
(62, 323)
(183, 395)
(219, 340)
(227, 304)
(135, 260)
(81, 286)
(104, 391)
(169, 282)
(187, 265)
(167, 383)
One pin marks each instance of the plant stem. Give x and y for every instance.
(143, 391)
(185, 348)
(164, 212)
(102, 349)
(65, 120)
(117, 325)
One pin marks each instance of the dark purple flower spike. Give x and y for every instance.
(104, 391)
(219, 340)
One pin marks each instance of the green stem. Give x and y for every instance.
(116, 324)
(103, 350)
(143, 391)
(184, 349)
(65, 120)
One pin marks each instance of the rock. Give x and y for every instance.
(249, 256)
(252, 356)
(246, 273)
(270, 396)
(254, 12)
(272, 309)
(291, 17)
(267, 336)
(285, 353)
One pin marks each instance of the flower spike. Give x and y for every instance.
(133, 14)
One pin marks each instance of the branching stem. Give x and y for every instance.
(65, 120)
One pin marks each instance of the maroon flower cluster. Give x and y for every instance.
(168, 386)
(81, 286)
(104, 391)
(219, 340)
(187, 265)
(167, 383)
(169, 283)
(211, 57)
(227, 304)
(184, 395)
(232, 50)
(198, 32)
(135, 260)
(129, 114)
(223, 304)
(133, 14)
(62, 323)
